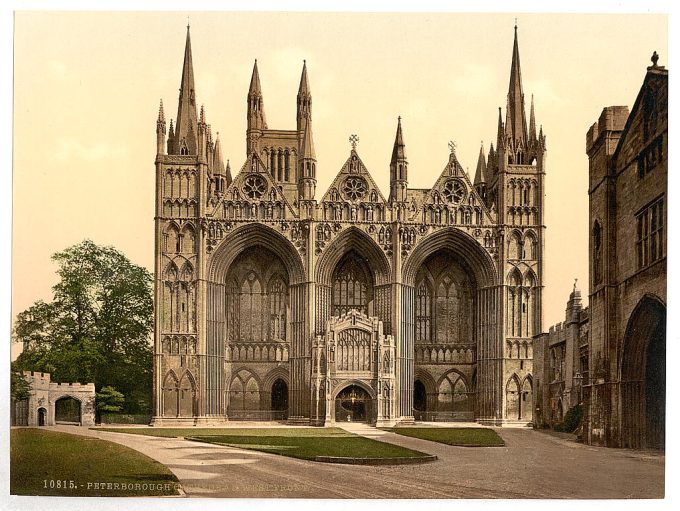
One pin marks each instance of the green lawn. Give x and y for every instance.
(184, 432)
(465, 437)
(50, 463)
(303, 443)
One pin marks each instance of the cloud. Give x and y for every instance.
(72, 148)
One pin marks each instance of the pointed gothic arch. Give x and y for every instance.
(642, 365)
(512, 398)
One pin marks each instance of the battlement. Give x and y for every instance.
(34, 375)
(612, 118)
(557, 328)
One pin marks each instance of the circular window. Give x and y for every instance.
(254, 187)
(354, 188)
(454, 191)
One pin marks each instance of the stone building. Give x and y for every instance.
(624, 390)
(274, 301)
(561, 359)
(51, 403)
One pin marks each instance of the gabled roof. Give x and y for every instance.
(653, 73)
(254, 165)
(353, 167)
(453, 169)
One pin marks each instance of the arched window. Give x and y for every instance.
(447, 310)
(251, 308)
(256, 297)
(597, 253)
(423, 312)
(276, 293)
(352, 285)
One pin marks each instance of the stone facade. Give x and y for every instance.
(561, 360)
(52, 403)
(624, 392)
(273, 303)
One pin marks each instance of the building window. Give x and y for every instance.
(650, 157)
(423, 312)
(650, 234)
(597, 253)
(352, 286)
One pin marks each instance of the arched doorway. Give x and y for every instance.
(67, 411)
(643, 377)
(526, 402)
(279, 400)
(42, 417)
(353, 404)
(512, 399)
(419, 400)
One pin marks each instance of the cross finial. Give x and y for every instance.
(515, 22)
(452, 147)
(575, 281)
(354, 140)
(188, 24)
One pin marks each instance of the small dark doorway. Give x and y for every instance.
(419, 400)
(353, 404)
(67, 411)
(279, 400)
(42, 417)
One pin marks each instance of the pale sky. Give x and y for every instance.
(87, 88)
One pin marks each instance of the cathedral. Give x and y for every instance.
(278, 301)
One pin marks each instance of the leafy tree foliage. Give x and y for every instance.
(97, 327)
(109, 400)
(19, 387)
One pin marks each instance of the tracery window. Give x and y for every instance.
(352, 286)
(446, 306)
(443, 302)
(257, 297)
(423, 312)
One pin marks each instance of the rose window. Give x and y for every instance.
(354, 188)
(454, 191)
(254, 187)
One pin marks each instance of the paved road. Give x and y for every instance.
(531, 465)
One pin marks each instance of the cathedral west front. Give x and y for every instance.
(278, 301)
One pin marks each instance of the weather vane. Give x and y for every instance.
(452, 146)
(354, 140)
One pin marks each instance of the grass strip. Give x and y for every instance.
(462, 437)
(54, 463)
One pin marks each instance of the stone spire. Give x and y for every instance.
(228, 173)
(480, 174)
(398, 167)
(307, 164)
(160, 130)
(256, 118)
(500, 133)
(186, 125)
(304, 100)
(308, 141)
(532, 121)
(515, 117)
(218, 161)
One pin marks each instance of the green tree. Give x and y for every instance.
(109, 400)
(19, 387)
(97, 328)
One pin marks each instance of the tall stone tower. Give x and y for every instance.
(515, 190)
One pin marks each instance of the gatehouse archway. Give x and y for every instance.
(67, 410)
(643, 377)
